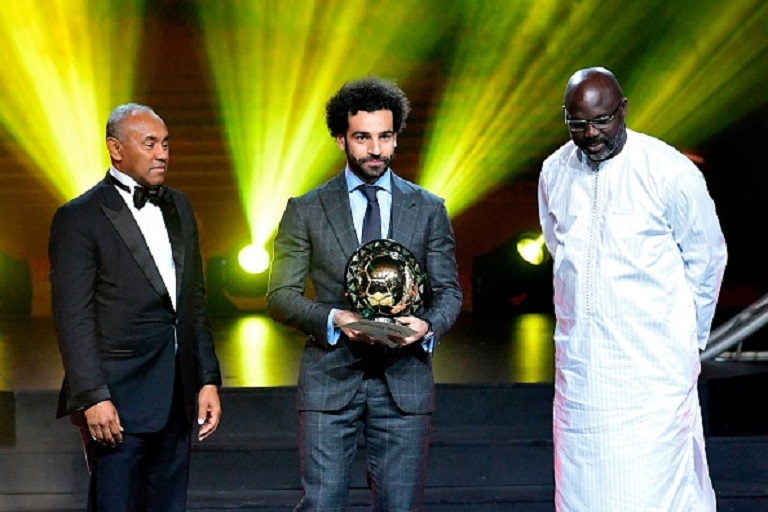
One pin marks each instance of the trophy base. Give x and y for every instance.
(381, 329)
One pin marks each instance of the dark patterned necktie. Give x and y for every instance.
(372, 219)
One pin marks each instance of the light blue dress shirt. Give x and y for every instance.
(358, 203)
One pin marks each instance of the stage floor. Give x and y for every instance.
(254, 351)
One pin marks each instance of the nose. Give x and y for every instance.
(161, 153)
(590, 131)
(375, 146)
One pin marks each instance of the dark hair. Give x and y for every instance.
(119, 114)
(367, 94)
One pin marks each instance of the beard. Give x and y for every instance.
(610, 146)
(362, 169)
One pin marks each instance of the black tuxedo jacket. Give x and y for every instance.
(116, 325)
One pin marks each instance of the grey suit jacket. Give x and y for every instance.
(315, 240)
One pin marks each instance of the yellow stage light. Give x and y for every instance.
(532, 355)
(276, 64)
(496, 70)
(532, 249)
(66, 64)
(688, 68)
(260, 357)
(701, 74)
(253, 259)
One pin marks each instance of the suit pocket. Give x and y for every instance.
(119, 353)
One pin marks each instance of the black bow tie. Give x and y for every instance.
(141, 194)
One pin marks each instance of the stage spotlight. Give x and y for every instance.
(514, 277)
(532, 249)
(237, 281)
(253, 259)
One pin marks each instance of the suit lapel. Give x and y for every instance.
(173, 225)
(335, 201)
(404, 211)
(122, 219)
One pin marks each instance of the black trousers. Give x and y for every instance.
(147, 472)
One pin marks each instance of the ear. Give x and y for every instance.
(341, 142)
(115, 149)
(394, 138)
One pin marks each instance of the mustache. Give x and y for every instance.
(371, 158)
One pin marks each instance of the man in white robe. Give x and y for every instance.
(638, 258)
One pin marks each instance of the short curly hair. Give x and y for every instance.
(367, 94)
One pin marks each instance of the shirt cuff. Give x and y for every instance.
(332, 333)
(428, 341)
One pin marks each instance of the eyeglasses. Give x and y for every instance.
(579, 125)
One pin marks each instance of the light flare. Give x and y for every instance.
(688, 69)
(60, 79)
(276, 64)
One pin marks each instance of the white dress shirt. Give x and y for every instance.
(152, 226)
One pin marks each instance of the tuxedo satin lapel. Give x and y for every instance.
(129, 231)
(173, 225)
(404, 212)
(335, 202)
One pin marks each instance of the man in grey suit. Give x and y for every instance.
(348, 381)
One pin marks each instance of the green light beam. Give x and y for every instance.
(702, 74)
(500, 108)
(701, 63)
(276, 63)
(532, 355)
(64, 64)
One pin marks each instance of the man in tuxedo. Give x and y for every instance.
(133, 331)
(349, 382)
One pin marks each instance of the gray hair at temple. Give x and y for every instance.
(119, 114)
